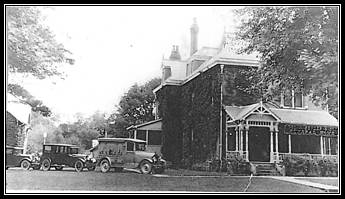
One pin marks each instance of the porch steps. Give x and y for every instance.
(265, 169)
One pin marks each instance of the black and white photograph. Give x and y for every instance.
(230, 99)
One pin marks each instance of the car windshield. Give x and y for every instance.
(140, 146)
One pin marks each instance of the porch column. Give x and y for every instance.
(241, 139)
(321, 144)
(147, 137)
(289, 136)
(329, 146)
(271, 148)
(135, 134)
(236, 138)
(247, 150)
(277, 145)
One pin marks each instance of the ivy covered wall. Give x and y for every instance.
(169, 110)
(191, 114)
(200, 102)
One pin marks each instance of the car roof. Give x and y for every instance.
(70, 145)
(14, 147)
(120, 140)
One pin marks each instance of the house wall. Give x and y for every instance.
(169, 110)
(191, 114)
(15, 134)
(200, 109)
(234, 84)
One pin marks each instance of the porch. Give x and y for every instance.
(262, 134)
(151, 132)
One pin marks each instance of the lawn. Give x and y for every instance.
(326, 181)
(70, 180)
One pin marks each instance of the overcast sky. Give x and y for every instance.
(117, 46)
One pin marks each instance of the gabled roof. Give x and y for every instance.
(241, 112)
(19, 110)
(306, 117)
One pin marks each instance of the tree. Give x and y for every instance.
(299, 50)
(39, 126)
(135, 107)
(32, 50)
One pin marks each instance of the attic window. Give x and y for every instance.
(292, 99)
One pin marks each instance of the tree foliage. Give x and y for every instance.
(32, 48)
(135, 107)
(80, 132)
(299, 50)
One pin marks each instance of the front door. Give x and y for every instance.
(259, 144)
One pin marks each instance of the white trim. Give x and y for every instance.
(289, 136)
(321, 144)
(262, 106)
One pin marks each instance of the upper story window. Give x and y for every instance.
(292, 99)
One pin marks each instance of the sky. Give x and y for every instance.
(115, 47)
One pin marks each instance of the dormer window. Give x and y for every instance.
(291, 98)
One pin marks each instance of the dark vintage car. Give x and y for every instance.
(63, 155)
(119, 153)
(16, 158)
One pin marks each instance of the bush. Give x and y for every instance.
(239, 166)
(297, 165)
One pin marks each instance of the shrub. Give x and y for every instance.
(238, 165)
(298, 165)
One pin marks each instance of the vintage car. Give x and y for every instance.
(119, 153)
(16, 158)
(90, 163)
(62, 155)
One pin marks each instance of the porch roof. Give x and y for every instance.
(290, 116)
(306, 117)
(151, 125)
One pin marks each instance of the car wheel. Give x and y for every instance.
(78, 165)
(145, 167)
(25, 164)
(59, 168)
(105, 165)
(46, 165)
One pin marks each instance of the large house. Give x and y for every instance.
(204, 115)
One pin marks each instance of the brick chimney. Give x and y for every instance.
(194, 29)
(175, 54)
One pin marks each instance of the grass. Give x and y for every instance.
(326, 181)
(69, 180)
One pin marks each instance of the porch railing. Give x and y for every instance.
(317, 157)
(237, 154)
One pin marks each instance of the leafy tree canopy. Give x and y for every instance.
(135, 107)
(298, 47)
(32, 50)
